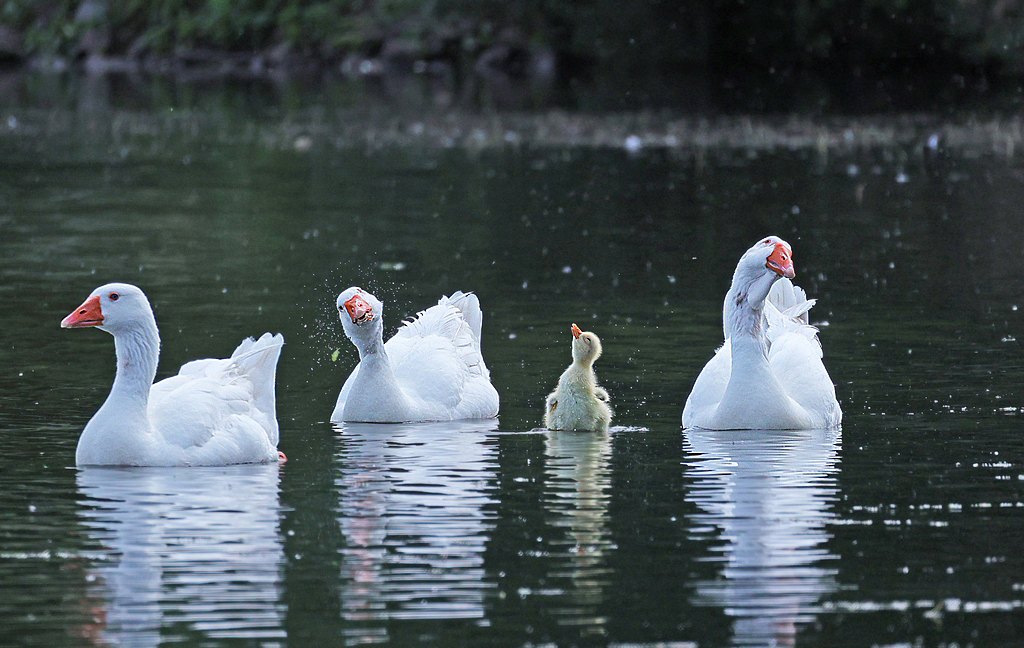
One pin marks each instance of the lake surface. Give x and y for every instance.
(901, 529)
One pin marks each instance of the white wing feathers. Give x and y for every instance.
(447, 321)
(436, 359)
(786, 310)
(225, 404)
(470, 307)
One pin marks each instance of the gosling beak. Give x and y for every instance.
(576, 332)
(780, 261)
(359, 310)
(88, 314)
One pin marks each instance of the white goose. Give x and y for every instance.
(430, 370)
(769, 373)
(578, 402)
(213, 413)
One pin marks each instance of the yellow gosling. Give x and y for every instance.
(579, 403)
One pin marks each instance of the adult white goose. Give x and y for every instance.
(213, 413)
(430, 370)
(578, 402)
(769, 373)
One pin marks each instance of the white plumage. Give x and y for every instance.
(430, 370)
(769, 372)
(213, 412)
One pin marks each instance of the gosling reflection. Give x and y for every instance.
(412, 507)
(768, 493)
(578, 486)
(191, 550)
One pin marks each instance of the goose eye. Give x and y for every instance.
(341, 308)
(114, 296)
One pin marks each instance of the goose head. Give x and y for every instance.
(361, 313)
(113, 307)
(761, 266)
(586, 347)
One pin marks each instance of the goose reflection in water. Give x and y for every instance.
(190, 548)
(578, 486)
(412, 507)
(768, 493)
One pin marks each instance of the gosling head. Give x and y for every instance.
(586, 346)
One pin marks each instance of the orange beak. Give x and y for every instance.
(781, 261)
(576, 332)
(86, 315)
(359, 310)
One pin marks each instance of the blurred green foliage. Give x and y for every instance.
(652, 34)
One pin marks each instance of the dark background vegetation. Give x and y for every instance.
(642, 35)
(655, 45)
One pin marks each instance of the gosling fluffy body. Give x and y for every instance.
(578, 402)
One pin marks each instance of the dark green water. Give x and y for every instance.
(902, 529)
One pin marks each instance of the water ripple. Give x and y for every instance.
(191, 550)
(413, 513)
(766, 495)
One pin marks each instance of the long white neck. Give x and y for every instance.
(120, 432)
(744, 323)
(370, 345)
(754, 393)
(743, 311)
(375, 393)
(138, 351)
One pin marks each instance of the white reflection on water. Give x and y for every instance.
(579, 482)
(768, 494)
(190, 548)
(412, 512)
